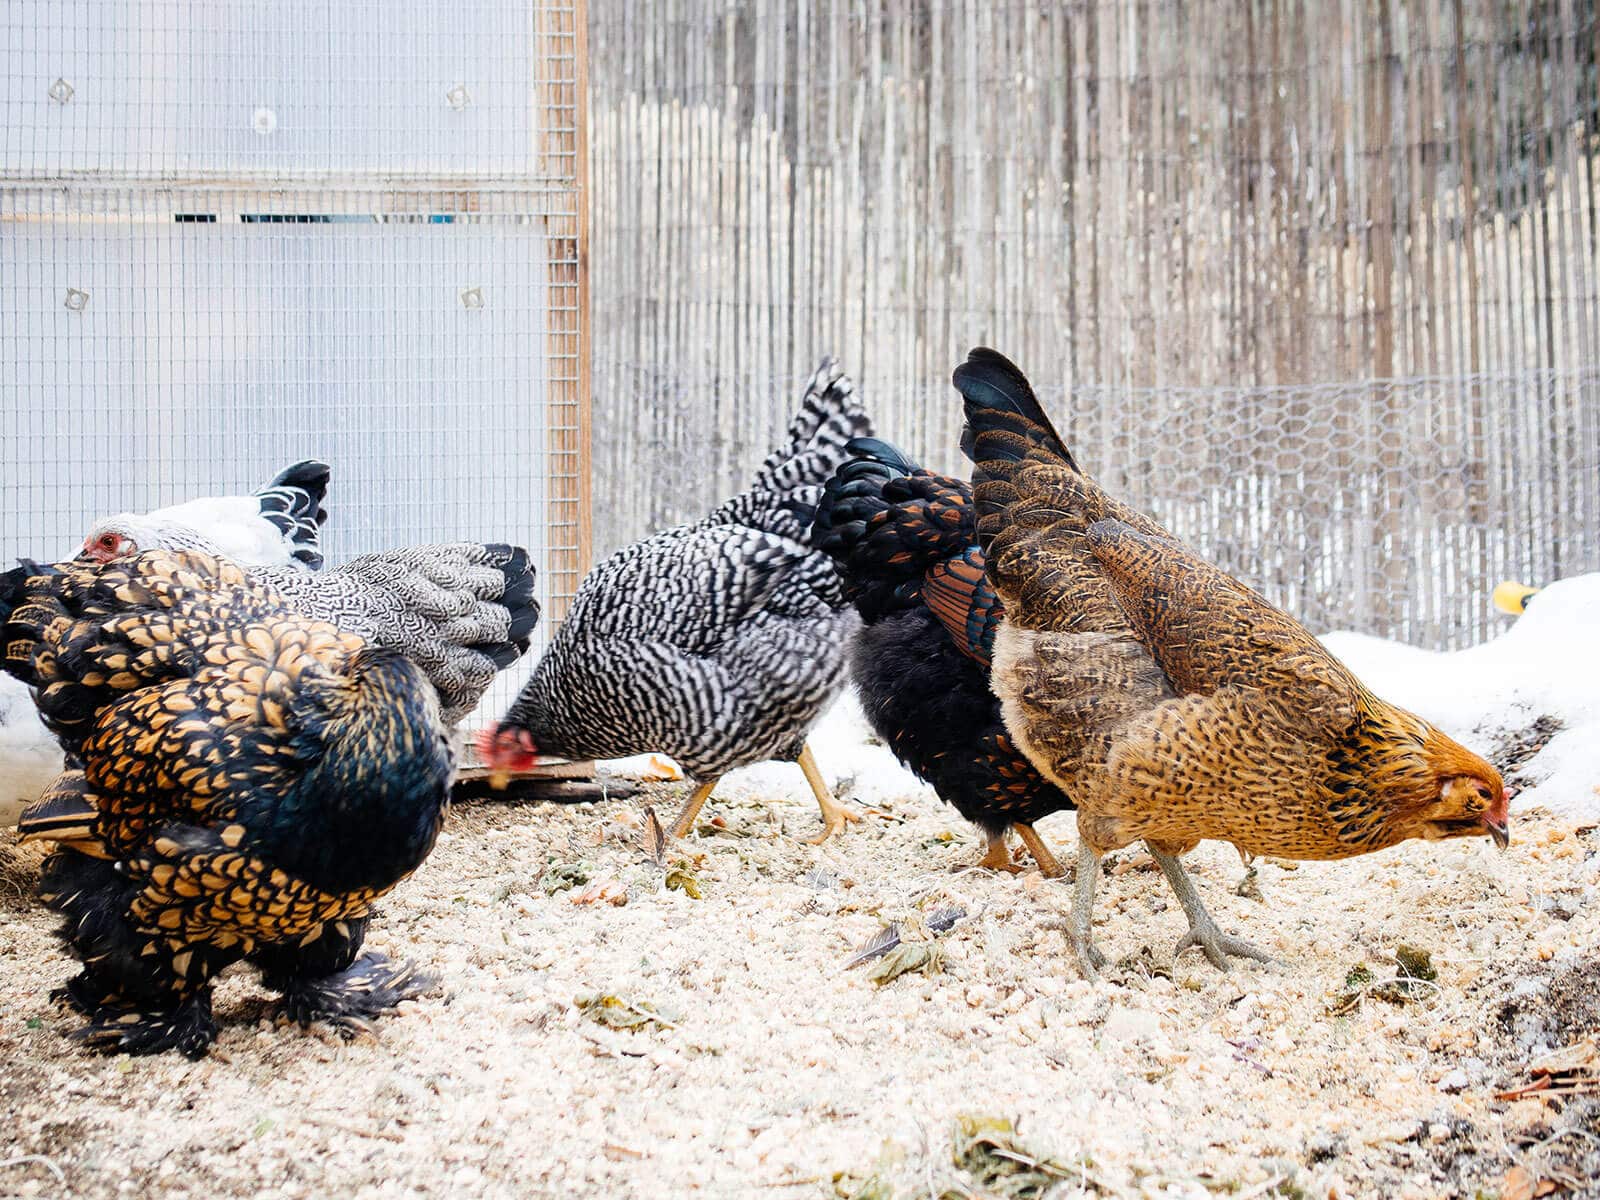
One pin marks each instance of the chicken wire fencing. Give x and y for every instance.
(1391, 507)
(238, 234)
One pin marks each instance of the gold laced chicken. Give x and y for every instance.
(243, 782)
(1171, 702)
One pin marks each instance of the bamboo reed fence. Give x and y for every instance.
(1318, 283)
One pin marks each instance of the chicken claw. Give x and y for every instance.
(835, 817)
(996, 857)
(1218, 945)
(1203, 929)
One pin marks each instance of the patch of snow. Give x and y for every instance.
(1547, 665)
(29, 756)
(846, 752)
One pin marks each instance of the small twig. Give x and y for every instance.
(1027, 1160)
(1569, 1131)
(789, 1183)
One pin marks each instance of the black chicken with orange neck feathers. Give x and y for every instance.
(904, 542)
(249, 782)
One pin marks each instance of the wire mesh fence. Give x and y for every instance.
(289, 88)
(234, 235)
(1135, 201)
(1389, 506)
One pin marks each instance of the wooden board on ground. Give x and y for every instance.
(473, 768)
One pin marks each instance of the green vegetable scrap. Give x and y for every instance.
(679, 880)
(563, 877)
(988, 1152)
(1413, 979)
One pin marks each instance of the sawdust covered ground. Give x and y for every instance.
(732, 1054)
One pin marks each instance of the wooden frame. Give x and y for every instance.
(561, 43)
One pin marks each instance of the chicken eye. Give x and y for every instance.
(108, 541)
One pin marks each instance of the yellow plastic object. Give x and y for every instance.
(1512, 597)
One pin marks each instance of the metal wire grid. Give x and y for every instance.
(1391, 507)
(284, 88)
(335, 299)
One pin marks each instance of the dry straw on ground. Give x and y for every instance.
(671, 1046)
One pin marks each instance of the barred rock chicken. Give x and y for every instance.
(904, 542)
(275, 526)
(250, 782)
(1172, 702)
(718, 643)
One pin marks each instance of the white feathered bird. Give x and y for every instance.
(276, 526)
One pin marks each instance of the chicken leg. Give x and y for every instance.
(1048, 863)
(1203, 930)
(691, 810)
(1090, 960)
(835, 816)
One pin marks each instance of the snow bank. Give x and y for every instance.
(29, 756)
(1490, 697)
(847, 754)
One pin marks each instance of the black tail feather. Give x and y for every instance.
(870, 451)
(293, 501)
(1004, 418)
(518, 596)
(13, 590)
(885, 522)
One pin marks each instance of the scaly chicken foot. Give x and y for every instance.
(1079, 931)
(997, 856)
(835, 816)
(686, 818)
(1203, 929)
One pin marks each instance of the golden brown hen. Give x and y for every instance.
(1171, 702)
(251, 780)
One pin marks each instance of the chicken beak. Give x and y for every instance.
(1500, 831)
(499, 779)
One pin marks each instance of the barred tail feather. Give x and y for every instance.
(783, 497)
(830, 415)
